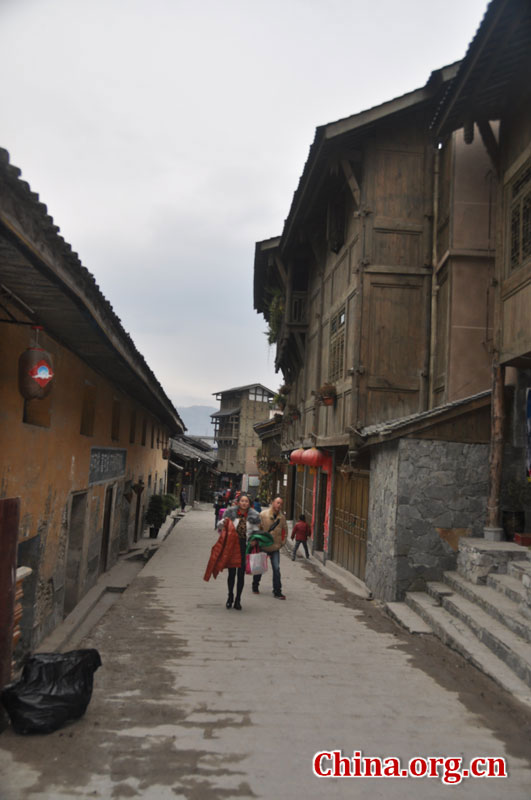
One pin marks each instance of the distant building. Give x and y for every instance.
(240, 409)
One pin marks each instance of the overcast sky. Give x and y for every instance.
(167, 136)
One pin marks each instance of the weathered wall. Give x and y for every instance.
(380, 572)
(47, 466)
(423, 494)
(442, 492)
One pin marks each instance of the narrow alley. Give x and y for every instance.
(199, 702)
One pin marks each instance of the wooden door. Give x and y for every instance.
(351, 509)
(106, 533)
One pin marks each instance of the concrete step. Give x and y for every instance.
(506, 645)
(457, 635)
(496, 605)
(407, 618)
(508, 585)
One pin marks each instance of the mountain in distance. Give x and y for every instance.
(197, 419)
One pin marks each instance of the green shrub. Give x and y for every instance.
(156, 513)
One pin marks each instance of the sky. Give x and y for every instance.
(166, 137)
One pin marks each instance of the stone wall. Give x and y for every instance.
(442, 495)
(380, 573)
(424, 495)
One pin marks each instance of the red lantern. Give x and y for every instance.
(296, 456)
(313, 457)
(35, 371)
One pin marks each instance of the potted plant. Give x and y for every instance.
(280, 401)
(327, 394)
(155, 515)
(294, 413)
(517, 497)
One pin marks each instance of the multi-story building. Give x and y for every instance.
(378, 294)
(84, 423)
(240, 409)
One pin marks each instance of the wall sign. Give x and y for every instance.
(106, 463)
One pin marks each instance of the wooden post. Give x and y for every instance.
(9, 519)
(493, 530)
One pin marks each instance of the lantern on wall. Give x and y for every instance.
(35, 370)
(313, 457)
(296, 456)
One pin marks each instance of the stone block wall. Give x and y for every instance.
(380, 573)
(424, 495)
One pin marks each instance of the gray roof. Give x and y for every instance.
(39, 270)
(391, 426)
(187, 451)
(228, 413)
(241, 389)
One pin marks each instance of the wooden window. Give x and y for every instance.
(520, 219)
(144, 431)
(337, 346)
(132, 426)
(88, 410)
(115, 420)
(37, 412)
(152, 436)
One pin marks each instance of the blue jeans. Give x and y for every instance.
(274, 558)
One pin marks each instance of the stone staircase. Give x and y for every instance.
(482, 610)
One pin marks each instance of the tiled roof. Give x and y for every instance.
(228, 413)
(242, 388)
(71, 278)
(187, 451)
(392, 425)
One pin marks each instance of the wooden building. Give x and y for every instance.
(491, 100)
(80, 463)
(378, 294)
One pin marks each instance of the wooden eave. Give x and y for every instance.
(498, 58)
(40, 268)
(424, 422)
(264, 252)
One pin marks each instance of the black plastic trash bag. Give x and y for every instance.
(54, 688)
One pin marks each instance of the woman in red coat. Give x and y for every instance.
(238, 523)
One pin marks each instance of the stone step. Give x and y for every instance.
(508, 585)
(478, 558)
(519, 569)
(457, 635)
(496, 605)
(506, 645)
(407, 618)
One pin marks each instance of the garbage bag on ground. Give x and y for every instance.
(53, 689)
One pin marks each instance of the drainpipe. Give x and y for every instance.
(434, 287)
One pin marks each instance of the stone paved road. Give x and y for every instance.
(195, 701)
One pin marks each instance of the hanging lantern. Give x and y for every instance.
(35, 370)
(296, 456)
(312, 457)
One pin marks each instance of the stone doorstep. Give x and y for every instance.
(458, 636)
(496, 605)
(407, 618)
(485, 546)
(506, 645)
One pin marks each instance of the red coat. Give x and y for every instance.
(301, 532)
(225, 553)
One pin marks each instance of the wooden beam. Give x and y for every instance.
(282, 270)
(352, 182)
(491, 145)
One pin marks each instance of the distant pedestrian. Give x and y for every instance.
(183, 499)
(257, 505)
(301, 532)
(217, 508)
(273, 521)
